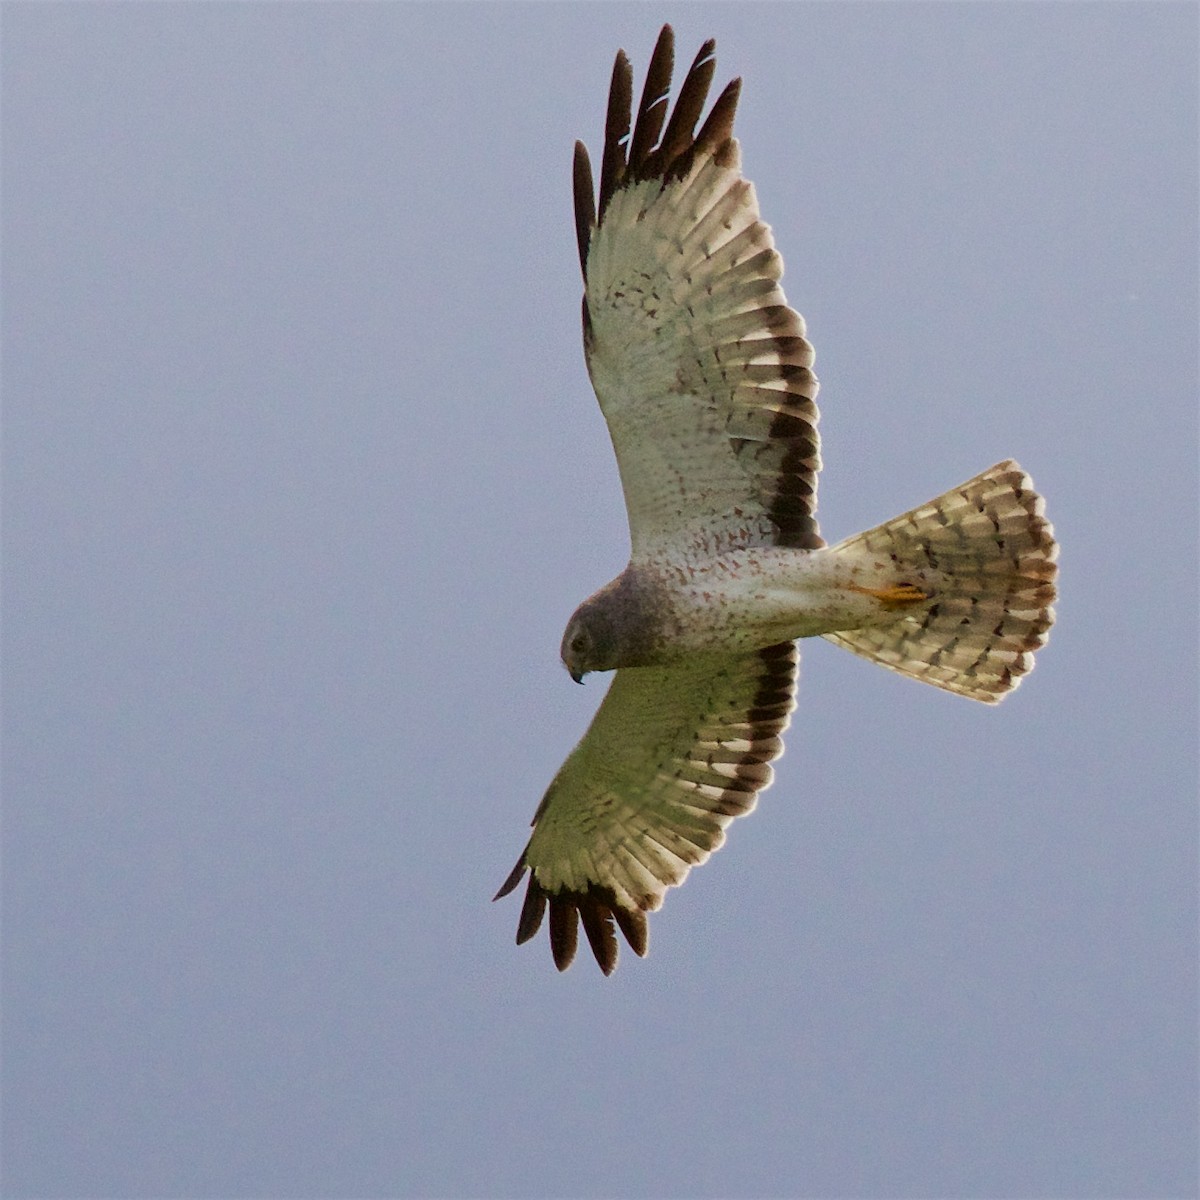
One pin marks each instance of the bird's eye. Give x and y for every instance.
(578, 642)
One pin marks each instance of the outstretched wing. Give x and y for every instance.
(701, 368)
(672, 756)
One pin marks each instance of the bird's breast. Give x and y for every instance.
(757, 596)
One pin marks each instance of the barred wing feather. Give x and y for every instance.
(701, 369)
(671, 757)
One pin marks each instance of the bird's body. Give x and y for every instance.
(751, 597)
(704, 376)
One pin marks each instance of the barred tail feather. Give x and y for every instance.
(990, 553)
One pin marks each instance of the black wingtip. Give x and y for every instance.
(564, 930)
(585, 203)
(640, 149)
(597, 921)
(616, 130)
(633, 924)
(532, 911)
(718, 125)
(597, 908)
(514, 877)
(652, 110)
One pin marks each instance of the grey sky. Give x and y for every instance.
(302, 477)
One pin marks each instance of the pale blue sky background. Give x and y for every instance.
(302, 478)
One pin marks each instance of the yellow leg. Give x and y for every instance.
(899, 595)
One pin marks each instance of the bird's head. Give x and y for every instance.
(610, 629)
(588, 636)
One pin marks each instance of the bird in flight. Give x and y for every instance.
(704, 376)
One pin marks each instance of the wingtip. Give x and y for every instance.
(514, 877)
(532, 911)
(597, 909)
(718, 125)
(564, 930)
(598, 925)
(635, 928)
(639, 149)
(585, 202)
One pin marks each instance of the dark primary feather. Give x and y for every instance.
(585, 204)
(644, 155)
(718, 127)
(616, 130)
(688, 106)
(652, 111)
(598, 908)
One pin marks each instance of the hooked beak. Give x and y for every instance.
(576, 675)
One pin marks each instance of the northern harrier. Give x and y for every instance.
(704, 376)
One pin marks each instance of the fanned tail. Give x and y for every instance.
(991, 550)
